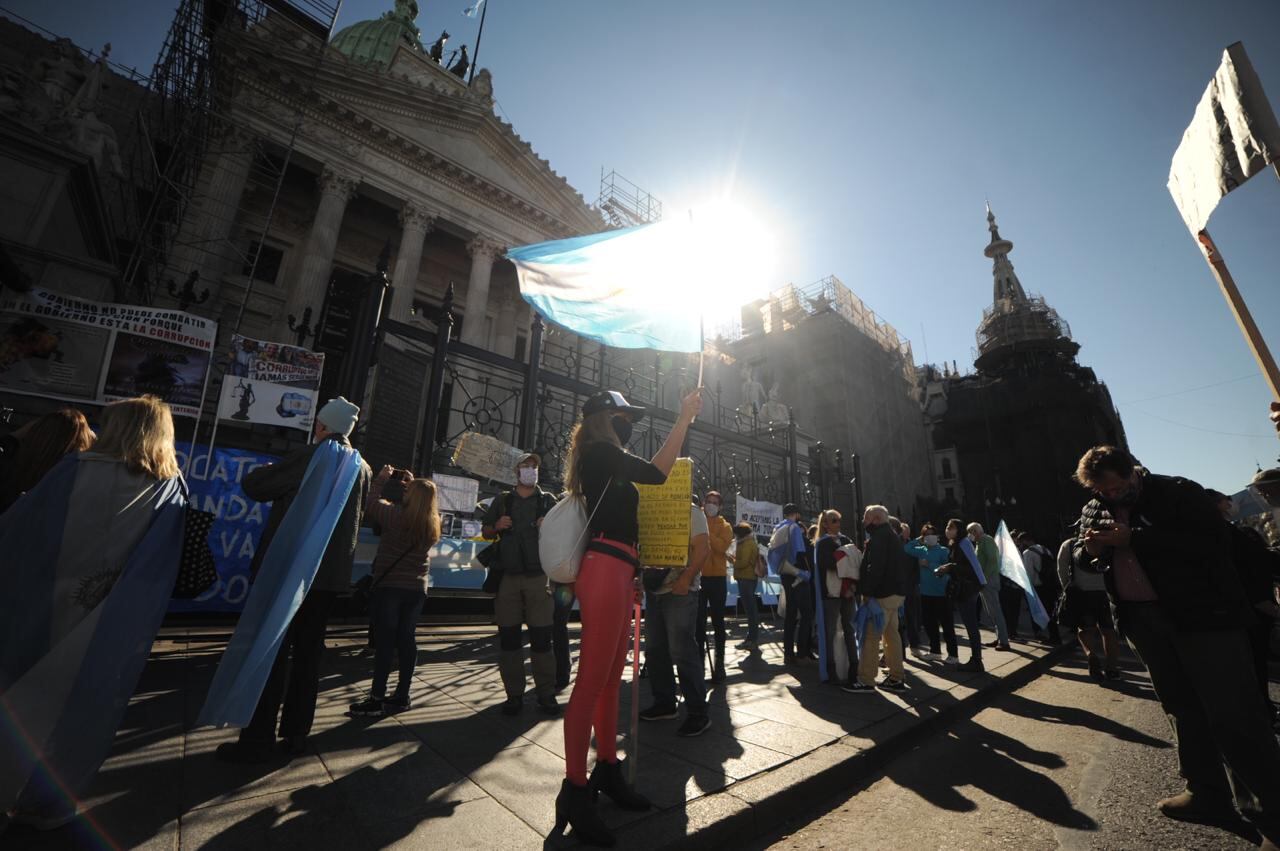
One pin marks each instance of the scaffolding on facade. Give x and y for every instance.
(1021, 322)
(624, 204)
(191, 136)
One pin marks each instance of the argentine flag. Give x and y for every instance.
(1012, 568)
(649, 286)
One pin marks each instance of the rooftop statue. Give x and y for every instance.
(460, 68)
(437, 49)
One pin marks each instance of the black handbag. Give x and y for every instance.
(197, 571)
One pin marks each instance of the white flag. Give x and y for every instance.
(1232, 137)
(1012, 568)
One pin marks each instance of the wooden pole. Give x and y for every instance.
(1241, 312)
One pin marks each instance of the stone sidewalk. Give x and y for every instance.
(453, 772)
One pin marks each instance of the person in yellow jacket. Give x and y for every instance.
(715, 584)
(745, 560)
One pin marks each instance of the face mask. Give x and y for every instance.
(528, 475)
(622, 428)
(931, 540)
(712, 509)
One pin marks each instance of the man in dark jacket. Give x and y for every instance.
(295, 676)
(882, 583)
(1167, 560)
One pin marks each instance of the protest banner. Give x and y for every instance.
(238, 524)
(664, 518)
(763, 516)
(487, 457)
(456, 494)
(60, 347)
(271, 383)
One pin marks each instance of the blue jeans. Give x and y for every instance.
(747, 594)
(394, 618)
(670, 636)
(990, 597)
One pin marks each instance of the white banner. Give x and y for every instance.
(271, 383)
(1232, 137)
(456, 494)
(62, 347)
(762, 516)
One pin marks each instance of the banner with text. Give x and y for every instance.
(763, 516)
(238, 523)
(456, 494)
(271, 383)
(482, 455)
(60, 347)
(664, 518)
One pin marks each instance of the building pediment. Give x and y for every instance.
(425, 118)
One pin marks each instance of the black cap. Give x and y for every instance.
(789, 509)
(611, 400)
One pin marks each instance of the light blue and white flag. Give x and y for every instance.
(617, 287)
(1011, 567)
(474, 9)
(288, 568)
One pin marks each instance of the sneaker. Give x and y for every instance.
(856, 687)
(513, 706)
(659, 713)
(694, 725)
(951, 660)
(890, 684)
(930, 656)
(972, 666)
(395, 704)
(371, 708)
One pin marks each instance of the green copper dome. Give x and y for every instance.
(375, 42)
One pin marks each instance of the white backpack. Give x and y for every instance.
(782, 538)
(562, 538)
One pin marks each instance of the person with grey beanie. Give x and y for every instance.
(294, 680)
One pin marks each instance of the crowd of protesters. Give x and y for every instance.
(1152, 559)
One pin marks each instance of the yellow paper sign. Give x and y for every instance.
(664, 518)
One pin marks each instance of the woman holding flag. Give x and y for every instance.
(91, 554)
(601, 470)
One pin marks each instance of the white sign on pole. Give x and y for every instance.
(482, 455)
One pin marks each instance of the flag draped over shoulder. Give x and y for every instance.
(288, 568)
(1011, 567)
(966, 547)
(617, 287)
(63, 693)
(1232, 136)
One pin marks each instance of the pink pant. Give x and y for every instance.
(605, 593)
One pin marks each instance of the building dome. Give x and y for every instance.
(374, 42)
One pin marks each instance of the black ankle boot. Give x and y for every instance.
(718, 674)
(575, 806)
(608, 777)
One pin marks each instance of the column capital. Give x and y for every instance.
(482, 247)
(340, 183)
(416, 217)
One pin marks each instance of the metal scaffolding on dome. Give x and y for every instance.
(1019, 322)
(187, 141)
(624, 204)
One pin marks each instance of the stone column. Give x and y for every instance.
(202, 244)
(482, 251)
(312, 282)
(505, 330)
(416, 222)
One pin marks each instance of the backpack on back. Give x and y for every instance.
(562, 538)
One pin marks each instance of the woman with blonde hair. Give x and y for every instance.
(91, 552)
(399, 586)
(601, 471)
(836, 599)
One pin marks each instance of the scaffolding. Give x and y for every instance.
(190, 122)
(1022, 323)
(624, 204)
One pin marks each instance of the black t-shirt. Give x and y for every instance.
(616, 516)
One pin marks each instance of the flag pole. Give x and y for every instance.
(484, 10)
(1240, 310)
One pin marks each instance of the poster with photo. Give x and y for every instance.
(271, 383)
(60, 347)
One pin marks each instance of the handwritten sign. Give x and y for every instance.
(488, 457)
(456, 494)
(664, 518)
(763, 516)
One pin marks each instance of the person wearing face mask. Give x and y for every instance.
(934, 607)
(1166, 558)
(715, 588)
(600, 471)
(523, 597)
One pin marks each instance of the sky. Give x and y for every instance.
(867, 137)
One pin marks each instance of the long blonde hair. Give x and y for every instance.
(140, 433)
(823, 519)
(596, 427)
(419, 515)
